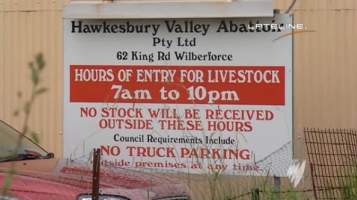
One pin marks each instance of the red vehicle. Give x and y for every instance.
(39, 176)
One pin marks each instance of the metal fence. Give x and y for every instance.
(332, 155)
(333, 162)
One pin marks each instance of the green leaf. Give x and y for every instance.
(41, 90)
(35, 137)
(7, 184)
(34, 76)
(40, 61)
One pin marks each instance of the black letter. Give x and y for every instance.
(79, 26)
(222, 26)
(115, 137)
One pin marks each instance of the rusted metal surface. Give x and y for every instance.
(96, 174)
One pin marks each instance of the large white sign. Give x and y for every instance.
(188, 95)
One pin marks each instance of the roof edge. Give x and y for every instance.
(151, 10)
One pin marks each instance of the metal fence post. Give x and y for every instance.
(96, 173)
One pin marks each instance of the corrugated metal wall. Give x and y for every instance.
(325, 64)
(28, 27)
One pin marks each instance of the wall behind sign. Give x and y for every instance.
(325, 64)
(26, 28)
